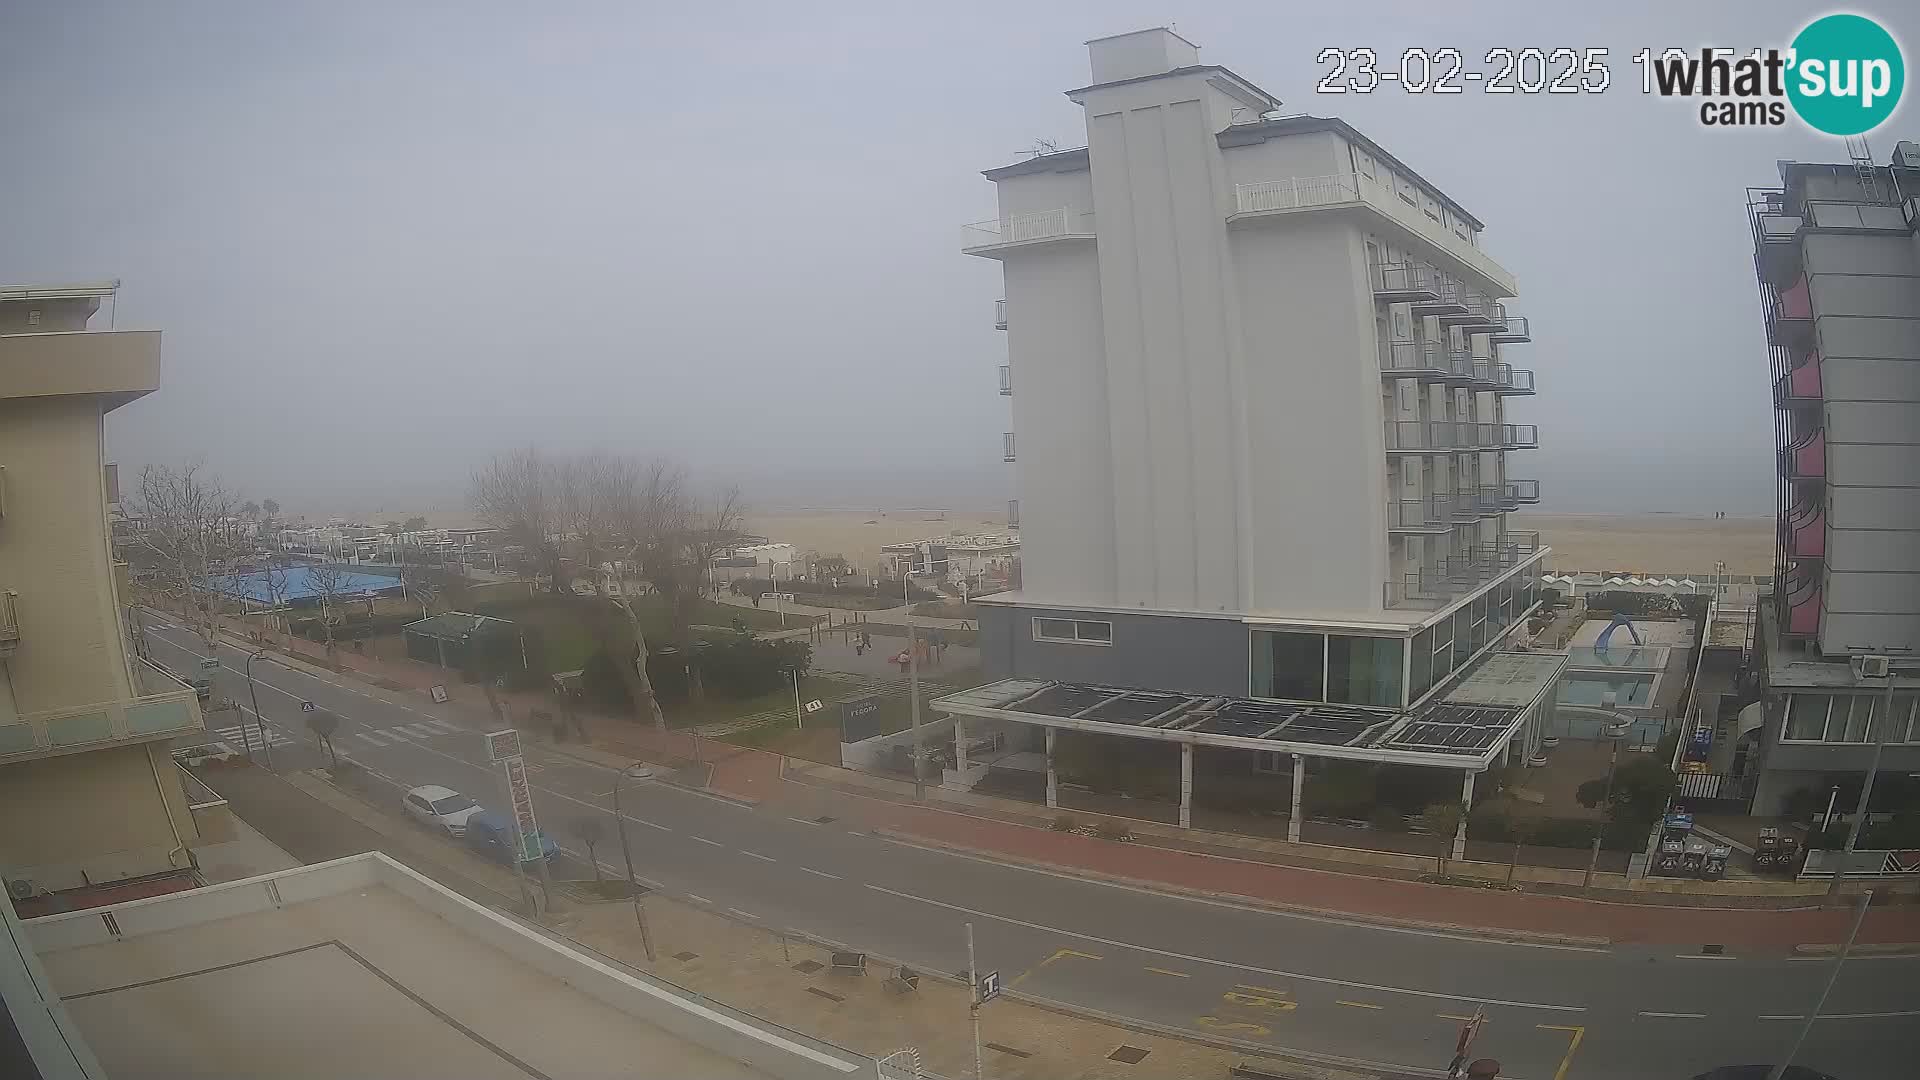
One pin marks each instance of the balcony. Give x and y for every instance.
(1806, 459)
(116, 366)
(1801, 601)
(1804, 531)
(1459, 368)
(1426, 361)
(1800, 386)
(1420, 436)
(1354, 190)
(1466, 507)
(9, 625)
(1006, 380)
(1776, 237)
(1486, 375)
(1426, 516)
(1516, 330)
(999, 314)
(93, 727)
(1490, 499)
(1518, 436)
(1513, 381)
(1790, 317)
(993, 239)
(1008, 441)
(1425, 590)
(1449, 301)
(1522, 491)
(212, 818)
(1474, 313)
(1402, 283)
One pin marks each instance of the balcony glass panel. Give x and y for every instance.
(16, 738)
(1364, 670)
(154, 717)
(80, 728)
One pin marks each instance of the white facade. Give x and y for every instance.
(1244, 362)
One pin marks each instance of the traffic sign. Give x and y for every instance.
(989, 987)
(306, 706)
(502, 745)
(209, 663)
(816, 705)
(439, 694)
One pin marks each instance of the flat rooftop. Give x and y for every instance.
(360, 967)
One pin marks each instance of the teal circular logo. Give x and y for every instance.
(1847, 75)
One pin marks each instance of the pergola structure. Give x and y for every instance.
(1493, 711)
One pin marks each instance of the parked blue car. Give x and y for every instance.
(492, 835)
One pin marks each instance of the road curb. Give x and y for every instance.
(1892, 948)
(1484, 932)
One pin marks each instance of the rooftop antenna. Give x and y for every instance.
(1043, 147)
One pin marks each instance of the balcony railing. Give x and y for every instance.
(1487, 375)
(1427, 589)
(1008, 440)
(90, 727)
(212, 817)
(1523, 491)
(1398, 283)
(1307, 192)
(1806, 459)
(1459, 368)
(1475, 312)
(1432, 514)
(9, 625)
(1006, 380)
(1448, 300)
(1513, 380)
(1064, 223)
(1421, 436)
(1519, 436)
(999, 314)
(1801, 384)
(1805, 534)
(1423, 360)
(1516, 330)
(1491, 499)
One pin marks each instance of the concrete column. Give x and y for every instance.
(1186, 785)
(960, 747)
(1466, 803)
(1053, 778)
(1299, 781)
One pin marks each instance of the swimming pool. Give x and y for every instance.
(1586, 687)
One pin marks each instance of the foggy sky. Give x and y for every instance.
(384, 241)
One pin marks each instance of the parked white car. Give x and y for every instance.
(441, 808)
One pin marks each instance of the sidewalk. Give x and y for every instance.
(1239, 867)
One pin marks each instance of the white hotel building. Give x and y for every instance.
(1260, 389)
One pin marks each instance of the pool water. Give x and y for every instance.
(1580, 688)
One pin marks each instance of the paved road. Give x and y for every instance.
(1380, 995)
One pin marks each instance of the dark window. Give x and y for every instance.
(1364, 670)
(1421, 664)
(1298, 666)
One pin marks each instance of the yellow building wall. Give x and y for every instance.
(95, 817)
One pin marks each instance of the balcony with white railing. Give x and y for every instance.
(1427, 436)
(1007, 441)
(1431, 515)
(1305, 193)
(1522, 491)
(999, 314)
(1516, 330)
(1006, 380)
(1448, 301)
(1513, 380)
(1426, 361)
(1518, 437)
(9, 625)
(992, 239)
(92, 727)
(1401, 283)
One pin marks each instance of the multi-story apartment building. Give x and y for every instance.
(1838, 255)
(1260, 399)
(89, 795)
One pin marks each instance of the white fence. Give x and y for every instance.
(1064, 222)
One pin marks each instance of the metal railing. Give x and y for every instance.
(1301, 192)
(1519, 436)
(9, 624)
(1006, 380)
(1514, 380)
(1517, 329)
(1403, 278)
(1523, 491)
(999, 314)
(1062, 223)
(1431, 513)
(1428, 588)
(1448, 295)
(1490, 498)
(1414, 358)
(1008, 443)
(139, 719)
(1432, 436)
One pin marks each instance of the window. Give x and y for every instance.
(1272, 761)
(1443, 648)
(1806, 717)
(1421, 665)
(452, 804)
(1296, 666)
(1077, 631)
(417, 802)
(1849, 719)
(1364, 670)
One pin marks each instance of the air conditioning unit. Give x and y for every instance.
(1873, 667)
(22, 888)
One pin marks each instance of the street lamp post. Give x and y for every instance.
(254, 693)
(636, 771)
(913, 680)
(1613, 733)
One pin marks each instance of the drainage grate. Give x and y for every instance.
(828, 994)
(1008, 1050)
(823, 819)
(1128, 1055)
(685, 956)
(808, 967)
(1713, 950)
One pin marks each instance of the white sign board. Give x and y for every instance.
(502, 745)
(209, 663)
(521, 793)
(439, 695)
(989, 986)
(306, 706)
(816, 705)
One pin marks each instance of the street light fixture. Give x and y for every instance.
(1613, 731)
(252, 692)
(635, 771)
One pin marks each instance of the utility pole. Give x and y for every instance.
(259, 721)
(973, 1007)
(1884, 718)
(1833, 976)
(633, 884)
(913, 684)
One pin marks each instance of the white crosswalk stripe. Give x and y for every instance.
(237, 736)
(375, 738)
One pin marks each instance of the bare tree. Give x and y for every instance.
(276, 582)
(677, 534)
(593, 492)
(190, 535)
(518, 494)
(324, 726)
(423, 584)
(592, 830)
(328, 581)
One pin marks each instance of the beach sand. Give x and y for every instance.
(859, 534)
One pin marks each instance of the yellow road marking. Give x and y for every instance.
(1164, 971)
(1261, 989)
(1452, 1016)
(1359, 1004)
(1058, 954)
(1218, 1024)
(1258, 1001)
(1573, 1044)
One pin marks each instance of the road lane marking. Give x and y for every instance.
(803, 821)
(1357, 1004)
(1162, 894)
(743, 914)
(1322, 979)
(368, 737)
(1259, 1001)
(698, 899)
(1573, 1044)
(1675, 1015)
(1058, 954)
(1843, 1016)
(757, 855)
(1174, 974)
(1699, 956)
(704, 840)
(820, 873)
(641, 820)
(1216, 1024)
(1457, 1017)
